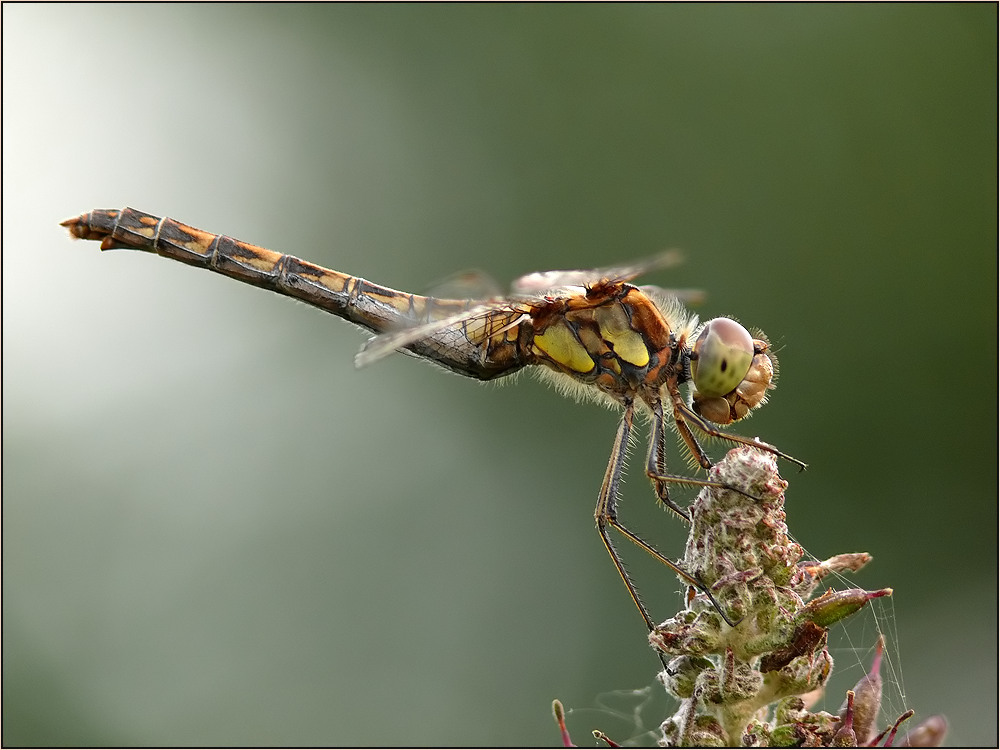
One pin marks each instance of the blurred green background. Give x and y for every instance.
(217, 531)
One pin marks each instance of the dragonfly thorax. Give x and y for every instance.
(617, 340)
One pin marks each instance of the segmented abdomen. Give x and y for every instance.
(468, 349)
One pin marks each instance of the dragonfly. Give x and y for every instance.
(592, 333)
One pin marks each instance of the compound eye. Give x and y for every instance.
(722, 357)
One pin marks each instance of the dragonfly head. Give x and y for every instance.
(732, 371)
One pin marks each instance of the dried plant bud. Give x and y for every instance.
(848, 561)
(599, 735)
(834, 606)
(845, 736)
(688, 729)
(680, 675)
(811, 573)
(928, 733)
(867, 698)
(808, 637)
(560, 717)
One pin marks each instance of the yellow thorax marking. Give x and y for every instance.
(615, 329)
(561, 346)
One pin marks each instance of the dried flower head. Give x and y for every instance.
(748, 684)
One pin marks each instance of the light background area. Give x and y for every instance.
(217, 531)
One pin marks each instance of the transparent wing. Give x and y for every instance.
(542, 281)
(534, 289)
(385, 344)
(469, 284)
(687, 296)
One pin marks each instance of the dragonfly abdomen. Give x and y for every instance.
(329, 290)
(483, 352)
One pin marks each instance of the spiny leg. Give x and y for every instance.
(605, 514)
(683, 415)
(656, 465)
(656, 462)
(709, 429)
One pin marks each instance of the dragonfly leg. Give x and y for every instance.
(692, 579)
(656, 467)
(684, 414)
(606, 514)
(656, 462)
